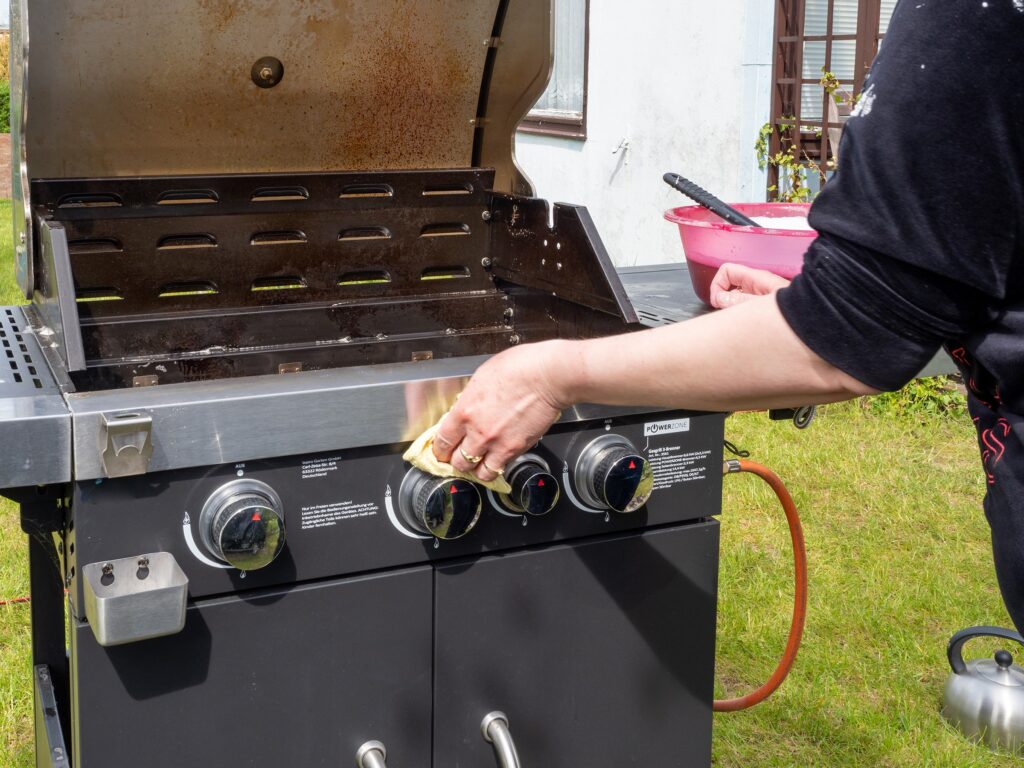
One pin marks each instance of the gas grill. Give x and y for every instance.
(266, 244)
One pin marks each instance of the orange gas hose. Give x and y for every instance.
(796, 629)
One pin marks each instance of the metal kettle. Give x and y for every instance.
(984, 698)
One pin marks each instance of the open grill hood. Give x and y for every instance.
(150, 88)
(245, 187)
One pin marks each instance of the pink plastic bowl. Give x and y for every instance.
(709, 242)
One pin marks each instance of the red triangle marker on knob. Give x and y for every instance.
(540, 483)
(632, 465)
(256, 517)
(453, 490)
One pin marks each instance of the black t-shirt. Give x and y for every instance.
(922, 235)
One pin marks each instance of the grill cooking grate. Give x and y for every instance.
(18, 374)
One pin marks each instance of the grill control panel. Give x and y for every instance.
(361, 510)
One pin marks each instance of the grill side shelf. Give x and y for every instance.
(35, 425)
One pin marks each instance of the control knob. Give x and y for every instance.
(242, 523)
(535, 490)
(445, 508)
(612, 474)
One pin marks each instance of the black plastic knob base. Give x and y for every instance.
(535, 491)
(445, 508)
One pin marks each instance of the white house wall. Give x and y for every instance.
(682, 85)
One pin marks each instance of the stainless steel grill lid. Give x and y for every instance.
(152, 88)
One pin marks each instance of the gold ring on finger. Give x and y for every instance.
(498, 472)
(474, 460)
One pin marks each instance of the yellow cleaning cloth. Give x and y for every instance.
(421, 456)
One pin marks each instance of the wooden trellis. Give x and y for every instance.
(810, 134)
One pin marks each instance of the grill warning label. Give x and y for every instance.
(672, 467)
(328, 515)
(316, 468)
(666, 427)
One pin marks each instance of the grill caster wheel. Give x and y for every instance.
(804, 416)
(801, 417)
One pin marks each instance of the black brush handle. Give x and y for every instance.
(708, 200)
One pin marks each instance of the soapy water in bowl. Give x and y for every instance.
(784, 222)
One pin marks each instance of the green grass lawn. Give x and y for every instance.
(15, 649)
(899, 560)
(9, 293)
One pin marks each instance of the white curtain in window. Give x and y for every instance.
(564, 95)
(888, 6)
(844, 19)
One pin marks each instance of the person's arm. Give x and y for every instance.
(904, 261)
(746, 357)
(705, 364)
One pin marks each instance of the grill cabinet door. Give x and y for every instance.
(601, 654)
(299, 677)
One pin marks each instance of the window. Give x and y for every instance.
(562, 109)
(840, 36)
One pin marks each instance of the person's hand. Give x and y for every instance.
(505, 409)
(735, 283)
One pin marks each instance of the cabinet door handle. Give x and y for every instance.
(496, 732)
(372, 755)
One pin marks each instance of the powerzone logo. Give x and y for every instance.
(666, 427)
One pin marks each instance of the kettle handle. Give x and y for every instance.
(956, 643)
